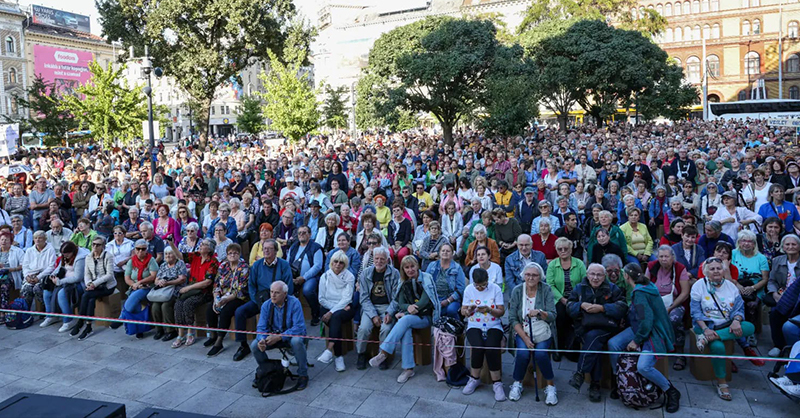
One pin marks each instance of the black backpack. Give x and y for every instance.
(271, 376)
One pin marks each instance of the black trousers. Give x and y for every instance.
(479, 345)
(222, 319)
(335, 326)
(90, 297)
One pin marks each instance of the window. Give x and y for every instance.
(693, 69)
(634, 13)
(706, 31)
(696, 33)
(793, 29)
(668, 9)
(677, 8)
(715, 31)
(714, 5)
(742, 95)
(12, 76)
(746, 27)
(227, 110)
(11, 47)
(794, 93)
(704, 6)
(696, 6)
(756, 27)
(754, 3)
(687, 7)
(668, 35)
(712, 63)
(752, 63)
(793, 64)
(678, 62)
(687, 33)
(660, 9)
(678, 34)
(212, 110)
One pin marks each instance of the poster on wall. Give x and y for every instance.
(9, 134)
(59, 18)
(66, 69)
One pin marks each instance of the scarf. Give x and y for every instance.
(140, 265)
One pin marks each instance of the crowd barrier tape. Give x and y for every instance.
(354, 340)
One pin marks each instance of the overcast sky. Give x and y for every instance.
(86, 7)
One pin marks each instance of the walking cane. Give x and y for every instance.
(535, 380)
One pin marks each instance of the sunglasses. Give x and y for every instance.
(337, 262)
(141, 249)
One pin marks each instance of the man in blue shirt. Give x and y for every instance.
(263, 273)
(310, 256)
(282, 317)
(779, 208)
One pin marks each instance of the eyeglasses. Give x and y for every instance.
(337, 262)
(373, 243)
(97, 244)
(563, 249)
(141, 249)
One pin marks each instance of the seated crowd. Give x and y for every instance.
(553, 252)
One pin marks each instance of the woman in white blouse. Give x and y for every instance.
(732, 217)
(336, 287)
(452, 223)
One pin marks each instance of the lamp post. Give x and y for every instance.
(147, 68)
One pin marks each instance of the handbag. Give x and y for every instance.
(450, 325)
(728, 321)
(597, 320)
(297, 265)
(538, 330)
(162, 294)
(187, 295)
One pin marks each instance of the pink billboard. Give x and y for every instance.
(66, 69)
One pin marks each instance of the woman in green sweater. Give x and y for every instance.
(616, 234)
(557, 271)
(650, 332)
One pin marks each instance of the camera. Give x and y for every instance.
(737, 184)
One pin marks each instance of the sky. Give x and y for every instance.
(86, 7)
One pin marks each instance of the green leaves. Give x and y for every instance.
(290, 102)
(46, 114)
(334, 110)
(107, 107)
(251, 119)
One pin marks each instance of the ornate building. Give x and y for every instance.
(742, 45)
(13, 66)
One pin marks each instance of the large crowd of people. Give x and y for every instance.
(599, 238)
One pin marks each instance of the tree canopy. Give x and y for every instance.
(47, 117)
(618, 11)
(290, 102)
(251, 119)
(334, 108)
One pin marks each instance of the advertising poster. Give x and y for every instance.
(9, 134)
(66, 68)
(59, 18)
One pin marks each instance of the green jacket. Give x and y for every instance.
(544, 302)
(555, 276)
(617, 237)
(649, 319)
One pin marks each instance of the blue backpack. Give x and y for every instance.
(19, 320)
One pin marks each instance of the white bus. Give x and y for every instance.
(754, 109)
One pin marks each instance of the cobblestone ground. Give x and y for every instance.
(115, 367)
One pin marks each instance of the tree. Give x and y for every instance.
(46, 116)
(671, 97)
(438, 65)
(204, 43)
(618, 11)
(251, 120)
(511, 100)
(334, 109)
(289, 100)
(107, 107)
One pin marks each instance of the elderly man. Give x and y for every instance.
(525, 210)
(282, 316)
(683, 168)
(546, 209)
(308, 257)
(131, 224)
(517, 261)
(712, 236)
(155, 245)
(379, 285)
(37, 265)
(57, 234)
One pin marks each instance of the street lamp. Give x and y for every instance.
(147, 68)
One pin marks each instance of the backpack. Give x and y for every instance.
(19, 320)
(457, 375)
(634, 390)
(271, 377)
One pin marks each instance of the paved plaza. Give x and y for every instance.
(114, 367)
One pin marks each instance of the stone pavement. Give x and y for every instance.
(115, 367)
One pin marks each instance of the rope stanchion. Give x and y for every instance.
(354, 340)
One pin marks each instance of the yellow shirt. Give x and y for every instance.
(257, 253)
(504, 200)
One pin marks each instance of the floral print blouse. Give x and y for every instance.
(232, 281)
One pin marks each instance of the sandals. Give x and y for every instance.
(190, 339)
(680, 364)
(178, 342)
(723, 395)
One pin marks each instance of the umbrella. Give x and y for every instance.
(10, 170)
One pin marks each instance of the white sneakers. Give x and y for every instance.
(68, 325)
(50, 320)
(471, 385)
(326, 357)
(407, 374)
(774, 352)
(516, 391)
(499, 391)
(378, 359)
(551, 398)
(339, 363)
(786, 385)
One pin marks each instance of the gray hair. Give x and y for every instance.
(479, 228)
(783, 240)
(543, 221)
(674, 199)
(332, 216)
(747, 235)
(38, 234)
(193, 226)
(210, 242)
(16, 217)
(611, 260)
(596, 266)
(668, 249)
(282, 284)
(534, 266)
(714, 225)
(524, 238)
(146, 225)
(235, 202)
(380, 250)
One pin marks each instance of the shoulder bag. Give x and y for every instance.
(161, 294)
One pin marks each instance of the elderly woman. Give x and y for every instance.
(224, 219)
(544, 241)
(718, 315)
(753, 276)
(481, 240)
(452, 222)
(326, 236)
(23, 237)
(672, 281)
(429, 249)
(264, 234)
(532, 302)
(399, 233)
(483, 307)
(191, 238)
(203, 266)
(67, 279)
(221, 241)
(11, 259)
(563, 274)
(639, 242)
(368, 226)
(171, 274)
(121, 249)
(17, 203)
(448, 277)
(98, 282)
(596, 305)
(230, 292)
(336, 287)
(416, 309)
(734, 218)
(140, 273)
(165, 226)
(650, 331)
(784, 274)
(614, 232)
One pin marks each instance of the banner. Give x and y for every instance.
(791, 122)
(9, 134)
(67, 69)
(59, 18)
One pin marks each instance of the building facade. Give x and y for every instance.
(13, 65)
(746, 42)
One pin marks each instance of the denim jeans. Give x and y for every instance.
(401, 334)
(63, 302)
(646, 363)
(311, 292)
(791, 332)
(452, 309)
(523, 357)
(365, 329)
(298, 346)
(134, 302)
